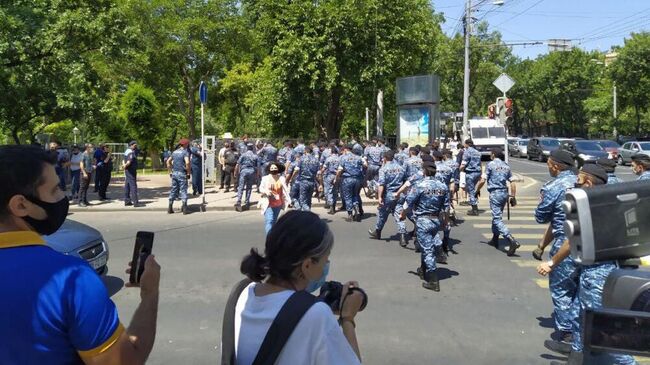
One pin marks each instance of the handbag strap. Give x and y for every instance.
(283, 325)
(228, 329)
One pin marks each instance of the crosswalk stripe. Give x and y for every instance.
(526, 248)
(505, 219)
(542, 283)
(514, 226)
(526, 263)
(523, 236)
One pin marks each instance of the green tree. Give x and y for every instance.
(140, 111)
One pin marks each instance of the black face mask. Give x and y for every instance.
(56, 215)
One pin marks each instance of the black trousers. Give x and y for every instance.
(104, 174)
(85, 183)
(226, 175)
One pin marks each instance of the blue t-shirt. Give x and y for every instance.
(55, 308)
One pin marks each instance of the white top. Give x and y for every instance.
(75, 161)
(316, 340)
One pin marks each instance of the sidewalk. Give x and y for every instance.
(153, 191)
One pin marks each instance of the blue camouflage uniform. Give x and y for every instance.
(330, 166)
(413, 165)
(307, 170)
(247, 166)
(401, 156)
(179, 175)
(241, 147)
(373, 156)
(284, 155)
(298, 151)
(563, 279)
(645, 175)
(294, 191)
(324, 155)
(357, 149)
(197, 179)
(267, 155)
(472, 163)
(391, 177)
(613, 179)
(498, 174)
(351, 166)
(445, 174)
(428, 199)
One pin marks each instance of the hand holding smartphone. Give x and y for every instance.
(141, 250)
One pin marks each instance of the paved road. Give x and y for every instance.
(492, 309)
(539, 171)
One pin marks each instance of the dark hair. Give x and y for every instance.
(308, 149)
(469, 142)
(389, 155)
(21, 172)
(413, 150)
(404, 145)
(279, 165)
(297, 235)
(498, 153)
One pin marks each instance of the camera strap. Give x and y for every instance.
(283, 325)
(228, 329)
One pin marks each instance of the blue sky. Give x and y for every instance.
(593, 24)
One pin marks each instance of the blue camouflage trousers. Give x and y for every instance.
(446, 231)
(471, 179)
(372, 176)
(590, 296)
(351, 187)
(389, 207)
(245, 182)
(498, 200)
(563, 283)
(294, 195)
(427, 228)
(306, 189)
(179, 187)
(331, 190)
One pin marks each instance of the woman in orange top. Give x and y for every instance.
(275, 194)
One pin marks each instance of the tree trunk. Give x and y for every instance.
(333, 122)
(14, 135)
(191, 105)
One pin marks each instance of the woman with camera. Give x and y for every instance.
(295, 261)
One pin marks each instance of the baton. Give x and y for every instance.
(508, 204)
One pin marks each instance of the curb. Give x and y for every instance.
(194, 208)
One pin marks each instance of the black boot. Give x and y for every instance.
(184, 209)
(474, 210)
(431, 281)
(440, 256)
(170, 210)
(359, 214)
(418, 248)
(332, 210)
(557, 346)
(350, 217)
(445, 245)
(375, 234)
(402, 240)
(494, 242)
(514, 245)
(327, 206)
(238, 207)
(355, 214)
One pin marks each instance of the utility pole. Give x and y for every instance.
(615, 132)
(468, 31)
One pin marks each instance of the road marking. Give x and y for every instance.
(521, 236)
(525, 248)
(515, 226)
(533, 182)
(489, 218)
(526, 263)
(542, 283)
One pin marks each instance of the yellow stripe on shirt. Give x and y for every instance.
(105, 346)
(20, 238)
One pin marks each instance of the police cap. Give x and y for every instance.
(426, 158)
(596, 171)
(641, 158)
(184, 142)
(562, 157)
(608, 164)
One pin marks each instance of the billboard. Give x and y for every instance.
(414, 125)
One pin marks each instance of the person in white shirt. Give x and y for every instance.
(75, 171)
(296, 257)
(222, 162)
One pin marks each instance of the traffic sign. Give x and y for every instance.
(203, 93)
(504, 83)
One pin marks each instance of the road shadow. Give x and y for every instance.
(113, 284)
(452, 244)
(546, 322)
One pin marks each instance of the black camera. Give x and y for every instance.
(612, 223)
(331, 292)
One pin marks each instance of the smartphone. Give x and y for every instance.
(141, 250)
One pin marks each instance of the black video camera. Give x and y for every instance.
(331, 292)
(612, 223)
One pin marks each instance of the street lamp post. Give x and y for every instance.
(75, 131)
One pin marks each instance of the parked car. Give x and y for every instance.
(611, 147)
(629, 149)
(539, 148)
(80, 240)
(519, 149)
(584, 151)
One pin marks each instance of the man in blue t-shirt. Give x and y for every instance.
(55, 308)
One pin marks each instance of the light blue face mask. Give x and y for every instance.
(316, 284)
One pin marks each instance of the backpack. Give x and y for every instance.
(230, 157)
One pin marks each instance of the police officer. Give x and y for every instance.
(130, 166)
(242, 146)
(563, 280)
(610, 167)
(411, 180)
(455, 172)
(306, 171)
(428, 199)
(402, 154)
(498, 175)
(373, 155)
(471, 165)
(267, 154)
(350, 175)
(444, 173)
(284, 155)
(328, 172)
(592, 280)
(246, 169)
(294, 190)
(196, 157)
(641, 166)
(391, 178)
(178, 165)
